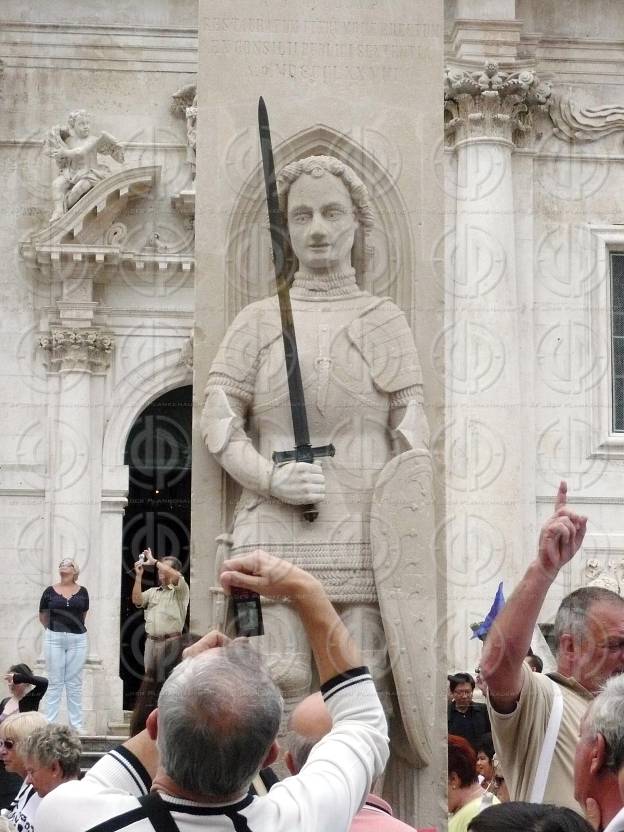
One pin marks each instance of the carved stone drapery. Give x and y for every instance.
(491, 103)
(186, 354)
(574, 123)
(84, 350)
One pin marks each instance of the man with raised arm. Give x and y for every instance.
(165, 605)
(216, 723)
(536, 718)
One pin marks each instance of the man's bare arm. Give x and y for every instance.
(161, 566)
(169, 571)
(333, 648)
(137, 600)
(509, 639)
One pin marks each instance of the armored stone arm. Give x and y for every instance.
(408, 424)
(223, 431)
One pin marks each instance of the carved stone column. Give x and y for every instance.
(77, 359)
(487, 112)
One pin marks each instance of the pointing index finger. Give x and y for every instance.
(562, 495)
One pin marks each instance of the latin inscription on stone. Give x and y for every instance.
(322, 51)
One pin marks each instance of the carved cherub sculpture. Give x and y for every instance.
(363, 391)
(185, 103)
(75, 150)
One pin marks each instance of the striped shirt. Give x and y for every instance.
(326, 794)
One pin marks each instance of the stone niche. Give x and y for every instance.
(361, 82)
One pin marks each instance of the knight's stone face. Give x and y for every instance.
(321, 222)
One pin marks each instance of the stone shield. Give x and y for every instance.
(406, 576)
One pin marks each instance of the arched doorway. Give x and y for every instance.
(158, 515)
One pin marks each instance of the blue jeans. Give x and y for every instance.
(65, 655)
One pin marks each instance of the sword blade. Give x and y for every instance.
(279, 243)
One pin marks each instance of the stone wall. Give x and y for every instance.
(566, 175)
(63, 483)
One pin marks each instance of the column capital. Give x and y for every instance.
(85, 350)
(491, 104)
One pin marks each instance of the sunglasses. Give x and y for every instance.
(66, 563)
(8, 744)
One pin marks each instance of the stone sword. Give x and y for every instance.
(303, 450)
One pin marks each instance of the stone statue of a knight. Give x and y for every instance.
(363, 391)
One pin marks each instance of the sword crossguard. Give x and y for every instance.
(304, 453)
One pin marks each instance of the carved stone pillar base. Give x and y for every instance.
(100, 692)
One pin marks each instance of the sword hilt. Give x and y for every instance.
(304, 453)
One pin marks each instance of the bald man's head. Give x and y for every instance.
(308, 723)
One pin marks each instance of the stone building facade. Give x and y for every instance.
(97, 307)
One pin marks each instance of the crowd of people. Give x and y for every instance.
(551, 740)
(544, 753)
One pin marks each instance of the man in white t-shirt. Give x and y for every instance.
(215, 726)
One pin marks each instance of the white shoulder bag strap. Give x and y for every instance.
(548, 746)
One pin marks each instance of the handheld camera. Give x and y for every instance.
(247, 612)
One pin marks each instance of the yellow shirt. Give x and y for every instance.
(462, 817)
(519, 736)
(165, 608)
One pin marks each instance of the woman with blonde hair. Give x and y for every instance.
(62, 611)
(13, 731)
(52, 756)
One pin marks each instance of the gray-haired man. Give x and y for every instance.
(536, 719)
(216, 724)
(600, 758)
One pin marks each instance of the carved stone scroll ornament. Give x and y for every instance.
(491, 102)
(75, 150)
(87, 350)
(574, 123)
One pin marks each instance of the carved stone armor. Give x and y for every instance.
(358, 364)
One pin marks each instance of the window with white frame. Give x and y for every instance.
(617, 339)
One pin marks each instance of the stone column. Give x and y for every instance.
(347, 82)
(74, 358)
(487, 113)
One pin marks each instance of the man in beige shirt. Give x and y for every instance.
(165, 605)
(536, 718)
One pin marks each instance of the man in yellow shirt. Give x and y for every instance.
(165, 605)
